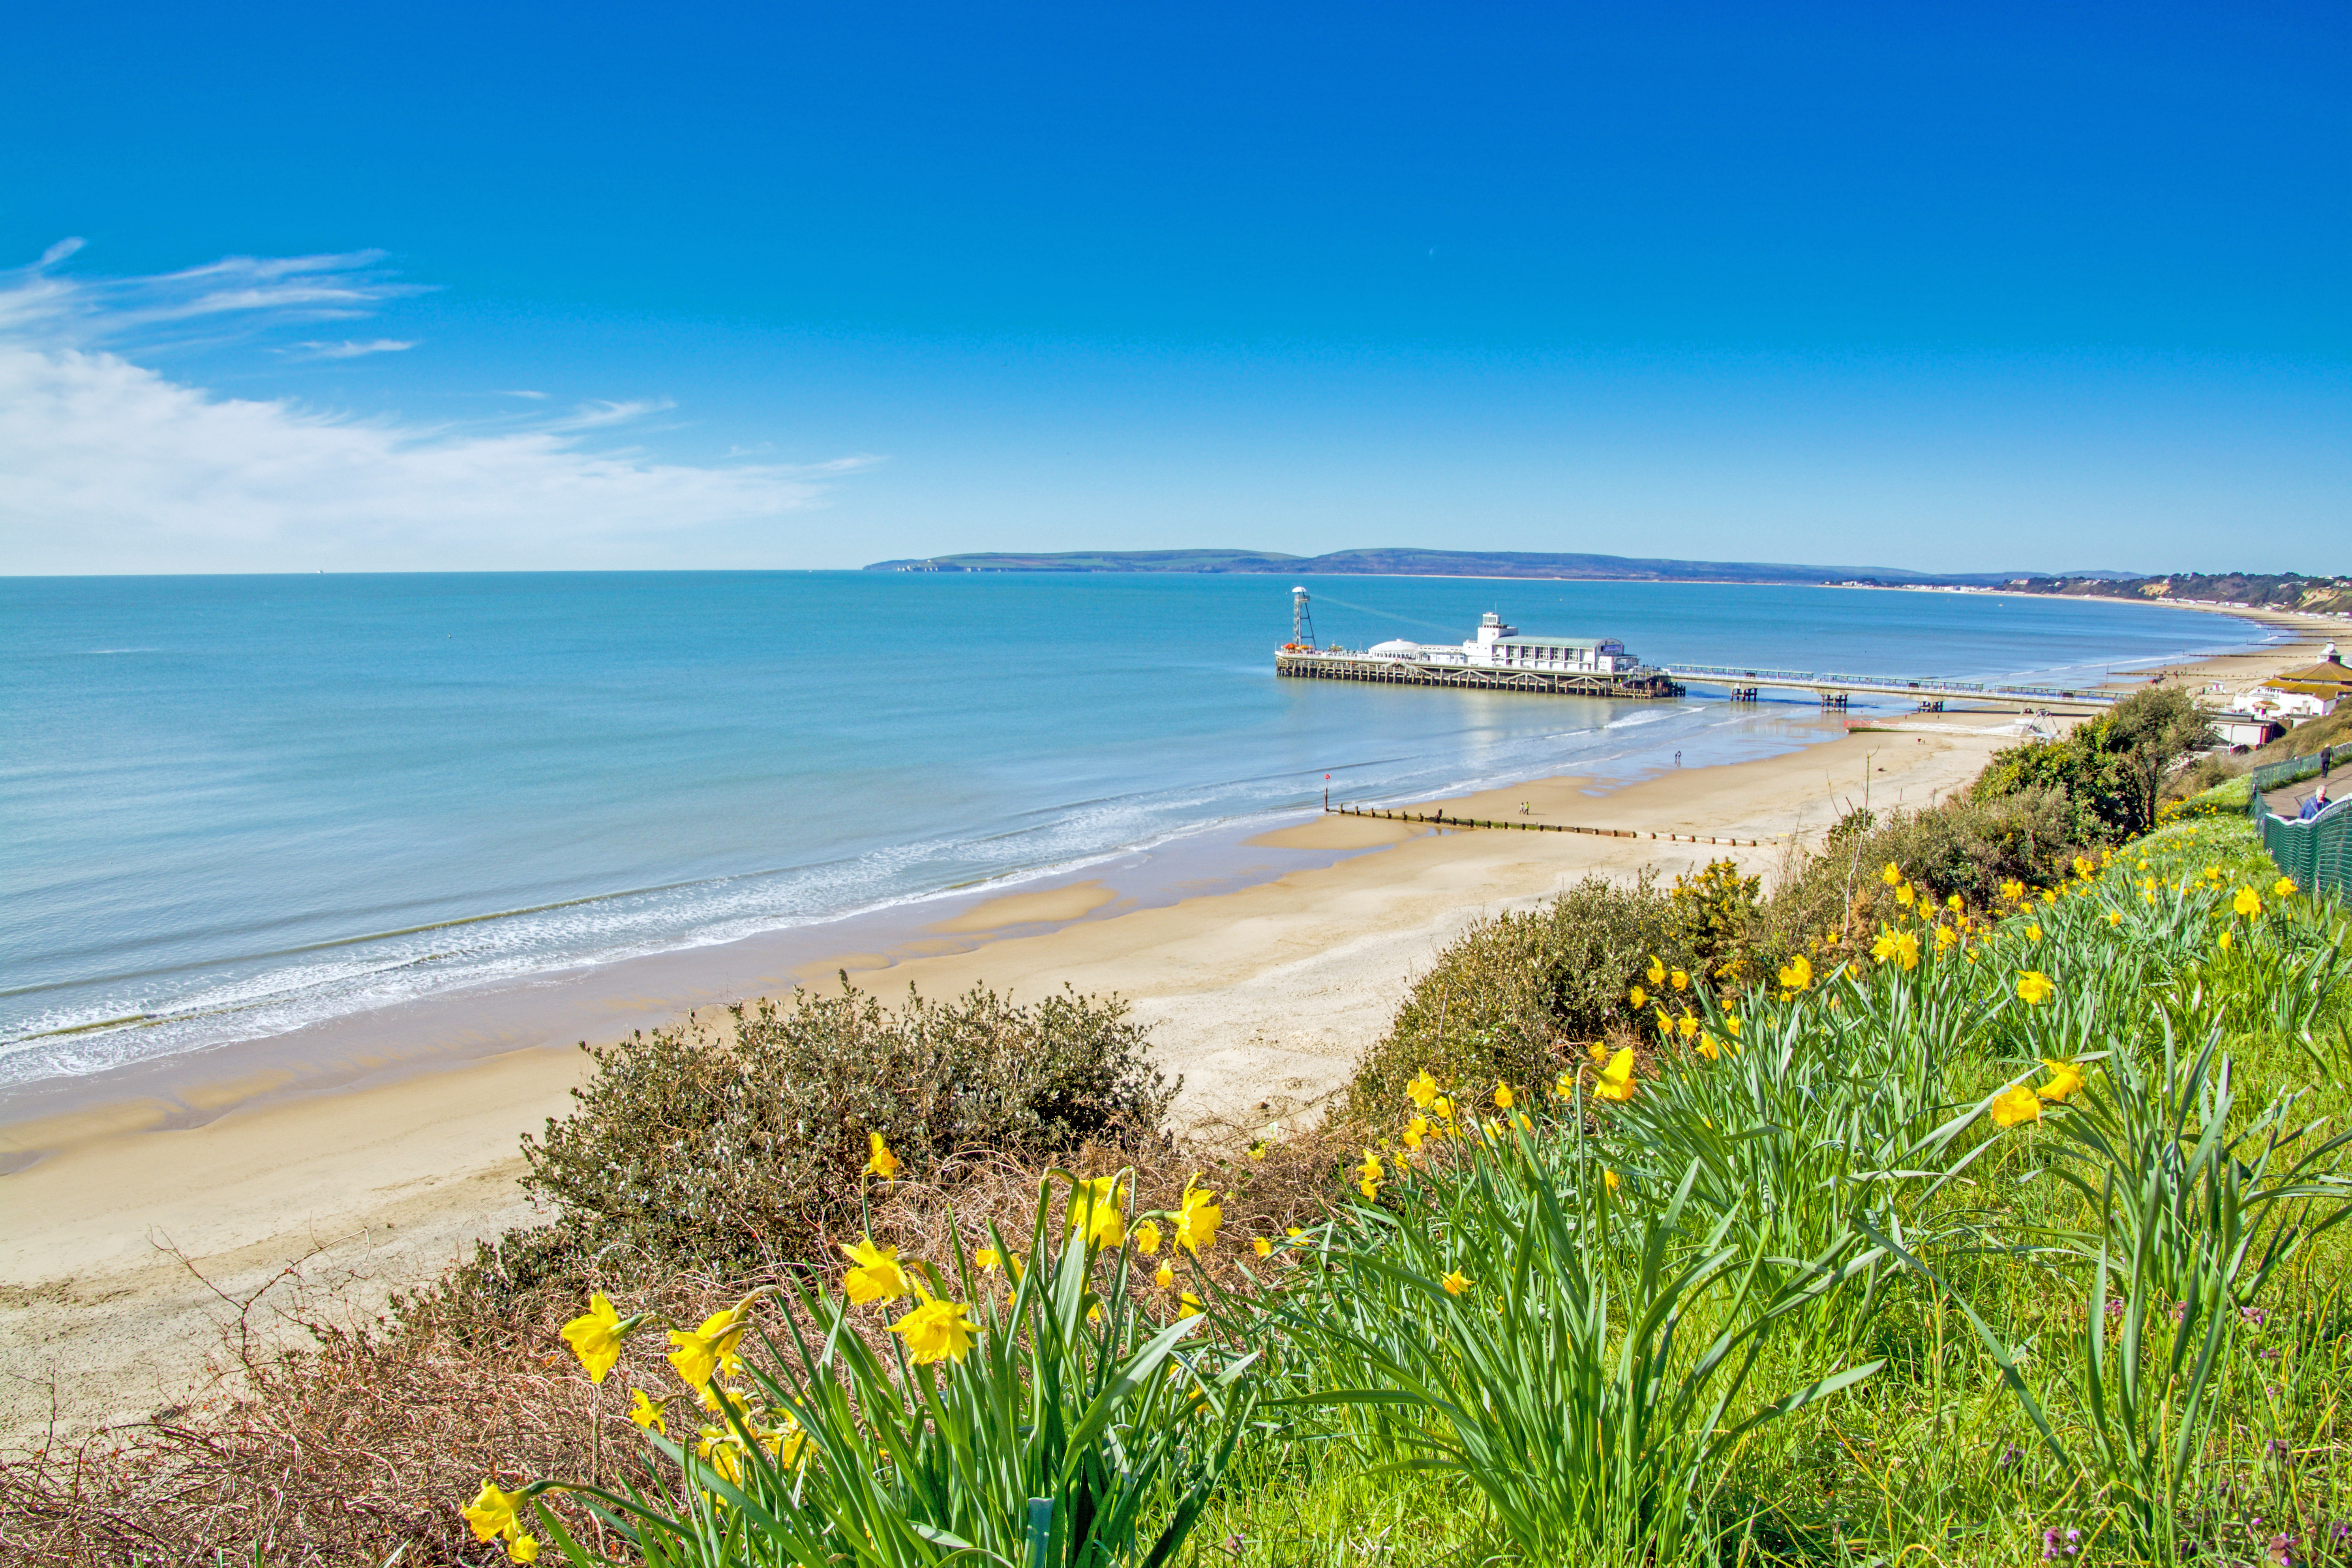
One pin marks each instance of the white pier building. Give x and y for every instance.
(1498, 646)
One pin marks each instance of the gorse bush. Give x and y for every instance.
(746, 1152)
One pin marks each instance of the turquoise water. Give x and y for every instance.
(235, 806)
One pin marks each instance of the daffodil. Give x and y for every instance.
(1165, 1277)
(2284, 887)
(1564, 1086)
(2082, 867)
(2013, 890)
(935, 1330)
(785, 1443)
(1892, 876)
(1198, 1219)
(1456, 1282)
(595, 1336)
(1638, 997)
(2017, 1105)
(988, 1259)
(2115, 917)
(879, 1161)
(1190, 1304)
(1955, 903)
(1415, 1131)
(1731, 1026)
(524, 1549)
(1679, 980)
(1503, 1096)
(2066, 1078)
(1443, 1107)
(492, 1512)
(2035, 988)
(1146, 1237)
(696, 1354)
(1905, 894)
(1609, 1179)
(1665, 1025)
(1095, 1211)
(1617, 1077)
(1657, 970)
(2224, 942)
(878, 1276)
(2248, 904)
(1422, 1089)
(646, 1413)
(1797, 975)
(1370, 1175)
(1944, 937)
(1262, 1247)
(1709, 1046)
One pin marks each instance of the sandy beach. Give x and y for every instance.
(135, 1230)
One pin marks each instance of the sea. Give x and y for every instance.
(232, 807)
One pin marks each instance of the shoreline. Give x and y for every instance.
(1262, 995)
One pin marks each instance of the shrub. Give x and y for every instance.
(1510, 988)
(1964, 847)
(747, 1153)
(2111, 769)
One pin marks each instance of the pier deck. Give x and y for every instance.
(1834, 690)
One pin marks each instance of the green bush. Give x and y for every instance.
(1509, 989)
(2111, 769)
(746, 1152)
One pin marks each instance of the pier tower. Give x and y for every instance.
(1302, 623)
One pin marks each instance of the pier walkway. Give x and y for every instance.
(1834, 690)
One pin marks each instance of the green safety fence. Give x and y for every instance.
(2270, 775)
(2316, 853)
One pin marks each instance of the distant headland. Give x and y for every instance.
(2284, 591)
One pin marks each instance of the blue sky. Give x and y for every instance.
(1972, 288)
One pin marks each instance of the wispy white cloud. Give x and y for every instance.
(350, 349)
(106, 465)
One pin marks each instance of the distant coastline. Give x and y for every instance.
(2289, 592)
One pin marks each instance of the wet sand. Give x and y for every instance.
(1261, 995)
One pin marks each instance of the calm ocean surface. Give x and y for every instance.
(234, 806)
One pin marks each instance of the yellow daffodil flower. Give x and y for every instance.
(1198, 1219)
(1262, 1247)
(524, 1549)
(492, 1512)
(1609, 1179)
(1686, 1025)
(1892, 876)
(1665, 1025)
(2013, 890)
(878, 1276)
(1564, 1086)
(1370, 1175)
(1190, 1304)
(935, 1330)
(1502, 1097)
(1415, 1131)
(698, 1354)
(2082, 867)
(1731, 1026)
(2035, 988)
(1293, 1232)
(1905, 895)
(1955, 903)
(1422, 1089)
(2017, 1105)
(1617, 1077)
(1146, 1237)
(1657, 970)
(1709, 1047)
(879, 1161)
(2032, 931)
(2224, 942)
(988, 1259)
(595, 1336)
(2066, 1078)
(1456, 1282)
(2284, 887)
(1797, 975)
(785, 1443)
(2115, 917)
(1944, 937)
(1638, 997)
(1443, 1107)
(1095, 1211)
(646, 1413)
(1679, 980)
(1165, 1277)
(2248, 904)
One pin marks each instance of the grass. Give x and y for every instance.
(1890, 1258)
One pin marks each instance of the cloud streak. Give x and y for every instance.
(106, 465)
(348, 349)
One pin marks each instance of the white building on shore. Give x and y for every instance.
(1501, 646)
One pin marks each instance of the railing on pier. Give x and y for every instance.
(1885, 685)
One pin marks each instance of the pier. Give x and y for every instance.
(1338, 666)
(1747, 685)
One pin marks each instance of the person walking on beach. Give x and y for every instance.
(2315, 805)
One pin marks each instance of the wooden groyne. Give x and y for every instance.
(1439, 819)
